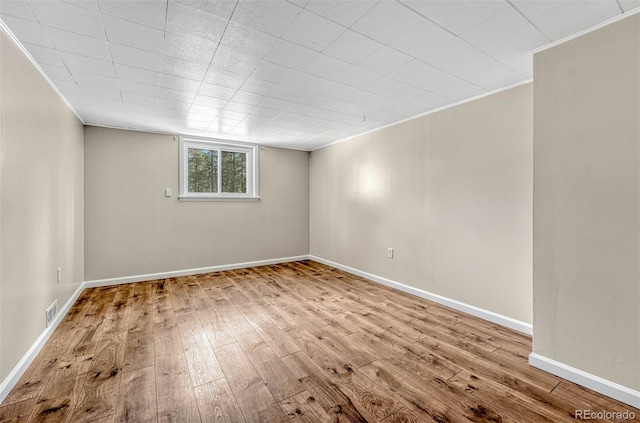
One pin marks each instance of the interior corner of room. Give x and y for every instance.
(522, 207)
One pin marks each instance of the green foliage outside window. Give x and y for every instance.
(203, 171)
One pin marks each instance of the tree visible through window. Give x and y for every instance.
(234, 171)
(209, 169)
(203, 170)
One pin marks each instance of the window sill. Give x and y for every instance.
(198, 198)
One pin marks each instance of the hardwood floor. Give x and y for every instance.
(298, 341)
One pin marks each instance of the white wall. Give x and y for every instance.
(132, 229)
(587, 203)
(450, 191)
(41, 203)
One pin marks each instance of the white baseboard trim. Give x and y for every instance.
(509, 322)
(12, 379)
(593, 382)
(186, 272)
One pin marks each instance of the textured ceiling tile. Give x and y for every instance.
(152, 13)
(274, 73)
(560, 19)
(220, 8)
(224, 79)
(133, 34)
(138, 88)
(203, 100)
(356, 77)
(189, 48)
(139, 99)
(271, 17)
(420, 38)
(629, 5)
(425, 8)
(133, 74)
(386, 21)
(135, 57)
(522, 64)
(183, 68)
(185, 20)
(384, 60)
(44, 55)
(327, 67)
(211, 90)
(344, 12)
(92, 80)
(71, 42)
(339, 68)
(27, 31)
(178, 83)
(497, 77)
(505, 35)
(436, 81)
(352, 47)
(459, 58)
(68, 17)
(57, 73)
(248, 97)
(175, 95)
(248, 41)
(88, 64)
(17, 9)
(312, 31)
(291, 55)
(226, 60)
(459, 15)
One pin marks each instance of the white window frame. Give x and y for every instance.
(251, 150)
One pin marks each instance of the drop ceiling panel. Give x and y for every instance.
(27, 31)
(458, 16)
(270, 17)
(344, 12)
(312, 31)
(69, 17)
(151, 13)
(291, 73)
(44, 55)
(132, 34)
(560, 19)
(352, 47)
(17, 9)
(628, 5)
(384, 60)
(386, 21)
(82, 45)
(505, 35)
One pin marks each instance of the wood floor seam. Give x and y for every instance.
(292, 342)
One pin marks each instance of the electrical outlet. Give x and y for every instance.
(59, 275)
(51, 312)
(390, 253)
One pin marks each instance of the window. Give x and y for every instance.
(218, 170)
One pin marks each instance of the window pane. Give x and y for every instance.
(234, 172)
(203, 170)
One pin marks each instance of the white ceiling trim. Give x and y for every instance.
(26, 53)
(596, 27)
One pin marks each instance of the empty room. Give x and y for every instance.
(319, 211)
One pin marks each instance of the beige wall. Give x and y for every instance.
(586, 203)
(451, 192)
(133, 229)
(41, 203)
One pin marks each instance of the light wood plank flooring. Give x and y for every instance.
(293, 342)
